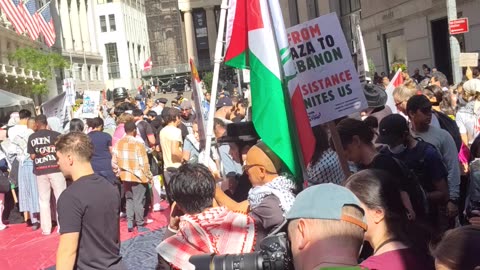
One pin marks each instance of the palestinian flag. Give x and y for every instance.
(256, 39)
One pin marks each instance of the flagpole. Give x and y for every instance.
(286, 94)
(43, 7)
(216, 72)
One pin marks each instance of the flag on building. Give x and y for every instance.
(396, 81)
(45, 21)
(28, 9)
(13, 13)
(254, 43)
(148, 64)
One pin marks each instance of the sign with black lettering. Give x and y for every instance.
(326, 74)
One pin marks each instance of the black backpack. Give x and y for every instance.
(450, 125)
(413, 175)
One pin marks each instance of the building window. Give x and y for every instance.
(111, 20)
(103, 24)
(112, 61)
(109, 1)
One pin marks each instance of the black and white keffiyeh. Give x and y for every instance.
(281, 187)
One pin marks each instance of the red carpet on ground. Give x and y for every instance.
(22, 248)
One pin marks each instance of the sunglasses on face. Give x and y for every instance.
(246, 167)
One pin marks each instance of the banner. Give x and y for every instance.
(200, 24)
(91, 104)
(197, 96)
(56, 107)
(326, 74)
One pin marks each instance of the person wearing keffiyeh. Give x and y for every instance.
(271, 196)
(203, 228)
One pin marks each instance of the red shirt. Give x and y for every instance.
(401, 259)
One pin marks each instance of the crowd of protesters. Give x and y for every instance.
(410, 198)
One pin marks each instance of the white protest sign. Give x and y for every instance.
(468, 59)
(69, 89)
(56, 107)
(91, 104)
(326, 74)
(246, 75)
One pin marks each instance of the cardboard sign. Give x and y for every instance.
(91, 104)
(468, 59)
(326, 74)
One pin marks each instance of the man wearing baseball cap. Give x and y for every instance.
(419, 110)
(326, 228)
(423, 159)
(159, 105)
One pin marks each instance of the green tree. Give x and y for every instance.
(207, 80)
(41, 61)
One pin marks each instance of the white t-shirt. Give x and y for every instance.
(168, 135)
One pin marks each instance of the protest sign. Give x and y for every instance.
(326, 74)
(91, 104)
(468, 59)
(69, 89)
(56, 107)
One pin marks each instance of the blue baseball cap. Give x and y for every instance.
(325, 201)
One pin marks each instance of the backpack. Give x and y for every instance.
(450, 125)
(420, 202)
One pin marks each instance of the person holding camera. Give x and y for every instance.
(329, 235)
(271, 196)
(203, 228)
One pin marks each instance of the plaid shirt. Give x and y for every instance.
(130, 160)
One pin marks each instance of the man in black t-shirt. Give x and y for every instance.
(41, 147)
(88, 210)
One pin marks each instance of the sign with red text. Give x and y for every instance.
(326, 74)
(458, 26)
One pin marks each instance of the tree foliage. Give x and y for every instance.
(207, 80)
(41, 61)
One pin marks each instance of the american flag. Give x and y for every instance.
(45, 21)
(28, 9)
(14, 15)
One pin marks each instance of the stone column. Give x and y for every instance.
(190, 35)
(212, 31)
(84, 27)
(66, 26)
(3, 51)
(75, 23)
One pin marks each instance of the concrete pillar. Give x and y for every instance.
(92, 26)
(3, 51)
(66, 26)
(212, 31)
(75, 23)
(84, 26)
(190, 35)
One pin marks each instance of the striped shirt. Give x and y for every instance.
(130, 160)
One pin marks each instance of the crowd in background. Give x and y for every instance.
(407, 200)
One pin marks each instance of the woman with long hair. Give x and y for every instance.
(357, 140)
(325, 166)
(398, 244)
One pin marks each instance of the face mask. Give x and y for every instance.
(397, 149)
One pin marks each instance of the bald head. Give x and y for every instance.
(262, 155)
